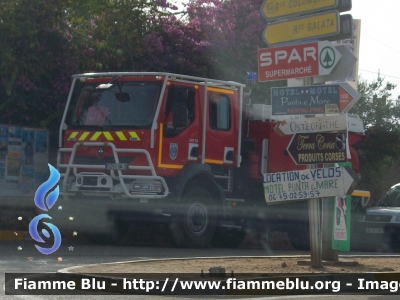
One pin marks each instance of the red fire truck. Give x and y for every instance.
(179, 149)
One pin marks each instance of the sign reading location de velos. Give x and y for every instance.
(310, 183)
(327, 25)
(303, 60)
(277, 9)
(306, 100)
(318, 148)
(312, 125)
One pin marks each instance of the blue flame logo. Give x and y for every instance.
(46, 205)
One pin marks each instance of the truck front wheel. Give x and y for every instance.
(195, 225)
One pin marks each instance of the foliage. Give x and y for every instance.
(178, 47)
(34, 62)
(378, 153)
(375, 107)
(44, 42)
(234, 29)
(381, 148)
(109, 35)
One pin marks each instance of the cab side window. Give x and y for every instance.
(220, 111)
(179, 110)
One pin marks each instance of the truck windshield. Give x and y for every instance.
(121, 104)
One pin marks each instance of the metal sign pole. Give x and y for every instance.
(327, 220)
(314, 212)
(314, 215)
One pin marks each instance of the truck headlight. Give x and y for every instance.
(139, 186)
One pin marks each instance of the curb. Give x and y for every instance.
(347, 281)
(67, 270)
(122, 286)
(307, 256)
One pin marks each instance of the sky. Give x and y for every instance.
(379, 41)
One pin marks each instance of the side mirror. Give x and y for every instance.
(180, 116)
(122, 97)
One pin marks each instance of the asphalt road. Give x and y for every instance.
(28, 259)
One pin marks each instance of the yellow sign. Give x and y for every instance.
(302, 28)
(275, 9)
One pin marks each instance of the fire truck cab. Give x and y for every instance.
(140, 145)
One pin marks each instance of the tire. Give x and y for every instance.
(116, 234)
(194, 226)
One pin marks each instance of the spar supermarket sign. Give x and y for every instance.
(296, 61)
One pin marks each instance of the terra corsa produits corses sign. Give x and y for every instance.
(318, 148)
(303, 60)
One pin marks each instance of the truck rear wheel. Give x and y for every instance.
(195, 225)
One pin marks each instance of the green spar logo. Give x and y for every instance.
(327, 57)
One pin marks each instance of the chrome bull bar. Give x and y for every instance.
(70, 166)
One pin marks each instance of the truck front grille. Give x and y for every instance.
(89, 160)
(378, 218)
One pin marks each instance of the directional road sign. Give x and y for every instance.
(284, 9)
(312, 125)
(302, 28)
(343, 67)
(318, 148)
(307, 100)
(323, 26)
(310, 183)
(302, 60)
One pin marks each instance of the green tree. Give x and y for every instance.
(34, 61)
(44, 42)
(109, 35)
(376, 106)
(380, 150)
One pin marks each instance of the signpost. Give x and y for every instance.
(302, 60)
(283, 9)
(315, 26)
(318, 148)
(306, 100)
(310, 183)
(312, 125)
(292, 21)
(277, 9)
